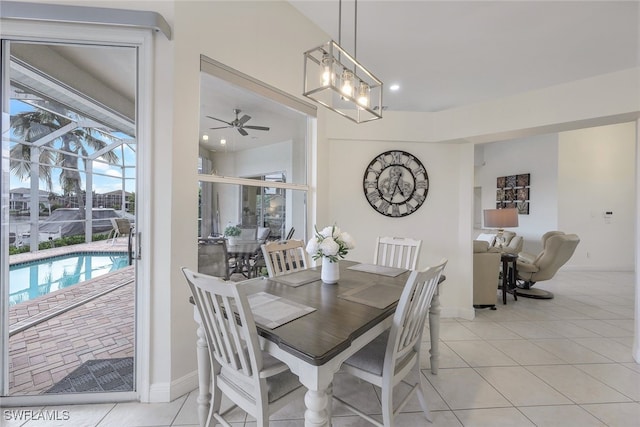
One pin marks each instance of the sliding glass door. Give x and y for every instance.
(69, 169)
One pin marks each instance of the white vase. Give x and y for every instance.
(330, 272)
(232, 240)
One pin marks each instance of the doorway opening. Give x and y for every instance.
(69, 176)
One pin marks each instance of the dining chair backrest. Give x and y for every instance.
(409, 319)
(213, 258)
(286, 256)
(248, 233)
(251, 380)
(398, 252)
(394, 356)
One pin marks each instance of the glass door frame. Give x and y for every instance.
(142, 41)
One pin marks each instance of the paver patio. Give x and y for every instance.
(52, 335)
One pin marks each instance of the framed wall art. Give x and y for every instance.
(514, 191)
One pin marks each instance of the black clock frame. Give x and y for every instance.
(386, 190)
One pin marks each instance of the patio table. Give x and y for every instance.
(243, 251)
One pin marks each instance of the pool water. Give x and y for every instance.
(36, 278)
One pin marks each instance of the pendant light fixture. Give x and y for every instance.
(335, 79)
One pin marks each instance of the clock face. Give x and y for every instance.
(396, 183)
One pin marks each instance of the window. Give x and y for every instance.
(253, 154)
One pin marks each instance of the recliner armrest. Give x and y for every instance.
(524, 267)
(526, 257)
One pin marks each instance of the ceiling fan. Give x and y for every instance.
(239, 123)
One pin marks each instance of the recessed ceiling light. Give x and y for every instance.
(205, 137)
(394, 87)
(223, 141)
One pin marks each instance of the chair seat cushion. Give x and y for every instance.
(370, 358)
(281, 384)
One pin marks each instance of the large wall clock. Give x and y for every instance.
(396, 183)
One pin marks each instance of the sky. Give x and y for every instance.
(106, 177)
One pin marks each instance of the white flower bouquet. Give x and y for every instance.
(331, 243)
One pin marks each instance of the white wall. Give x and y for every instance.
(436, 222)
(537, 156)
(575, 177)
(596, 175)
(269, 48)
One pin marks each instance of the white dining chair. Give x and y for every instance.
(394, 356)
(398, 252)
(252, 379)
(286, 256)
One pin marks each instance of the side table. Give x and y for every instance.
(509, 276)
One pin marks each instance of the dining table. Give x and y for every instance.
(313, 327)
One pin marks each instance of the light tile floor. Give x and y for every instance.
(561, 362)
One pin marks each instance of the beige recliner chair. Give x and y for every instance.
(512, 243)
(486, 274)
(558, 248)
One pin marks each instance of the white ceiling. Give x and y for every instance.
(445, 54)
(219, 98)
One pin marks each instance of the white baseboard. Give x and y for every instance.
(614, 268)
(166, 392)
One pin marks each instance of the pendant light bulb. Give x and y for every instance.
(328, 76)
(363, 94)
(347, 83)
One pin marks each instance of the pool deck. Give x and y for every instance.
(52, 335)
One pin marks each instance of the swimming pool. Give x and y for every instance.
(32, 279)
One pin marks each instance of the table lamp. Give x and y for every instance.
(500, 219)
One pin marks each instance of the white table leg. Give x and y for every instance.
(316, 414)
(204, 377)
(434, 331)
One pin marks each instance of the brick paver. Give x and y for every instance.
(58, 332)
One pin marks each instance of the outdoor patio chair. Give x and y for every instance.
(398, 252)
(121, 227)
(394, 356)
(213, 258)
(252, 379)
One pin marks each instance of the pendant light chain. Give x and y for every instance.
(335, 79)
(340, 22)
(355, 31)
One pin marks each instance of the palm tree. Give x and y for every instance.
(32, 126)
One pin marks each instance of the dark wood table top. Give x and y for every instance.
(317, 337)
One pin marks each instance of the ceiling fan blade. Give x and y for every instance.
(222, 127)
(256, 127)
(242, 132)
(220, 120)
(244, 119)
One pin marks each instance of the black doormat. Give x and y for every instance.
(98, 376)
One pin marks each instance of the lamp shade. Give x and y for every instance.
(500, 218)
